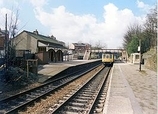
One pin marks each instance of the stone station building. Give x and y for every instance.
(46, 48)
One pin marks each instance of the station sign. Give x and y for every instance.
(138, 48)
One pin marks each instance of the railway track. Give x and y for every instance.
(20, 101)
(87, 99)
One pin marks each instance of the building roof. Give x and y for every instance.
(43, 38)
(47, 39)
(2, 32)
(79, 44)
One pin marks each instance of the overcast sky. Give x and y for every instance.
(71, 21)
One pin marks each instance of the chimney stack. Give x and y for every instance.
(35, 32)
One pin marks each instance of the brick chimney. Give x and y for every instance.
(35, 32)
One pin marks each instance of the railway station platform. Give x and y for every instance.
(131, 91)
(47, 71)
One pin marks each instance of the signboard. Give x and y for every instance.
(19, 53)
(22, 53)
(138, 48)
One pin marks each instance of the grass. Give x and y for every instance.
(143, 72)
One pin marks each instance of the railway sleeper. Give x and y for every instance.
(77, 104)
(29, 98)
(88, 91)
(98, 111)
(13, 102)
(21, 98)
(69, 112)
(61, 101)
(8, 108)
(100, 105)
(41, 91)
(35, 94)
(74, 109)
(65, 97)
(101, 101)
(4, 107)
(80, 100)
(102, 98)
(83, 97)
(103, 94)
(69, 95)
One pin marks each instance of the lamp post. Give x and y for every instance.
(140, 58)
(6, 47)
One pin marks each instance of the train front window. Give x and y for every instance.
(110, 55)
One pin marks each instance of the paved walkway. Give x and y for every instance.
(131, 91)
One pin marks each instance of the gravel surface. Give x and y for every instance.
(46, 105)
(7, 90)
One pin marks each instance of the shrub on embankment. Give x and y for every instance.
(150, 59)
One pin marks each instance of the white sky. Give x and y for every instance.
(71, 27)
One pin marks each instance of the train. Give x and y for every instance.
(108, 58)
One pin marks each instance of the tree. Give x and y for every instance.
(133, 45)
(147, 33)
(131, 38)
(132, 30)
(99, 45)
(150, 28)
(13, 24)
(9, 49)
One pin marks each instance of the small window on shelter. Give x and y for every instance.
(137, 56)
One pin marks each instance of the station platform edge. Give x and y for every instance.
(47, 71)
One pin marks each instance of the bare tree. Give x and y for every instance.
(13, 24)
(9, 49)
(99, 45)
(133, 30)
(148, 34)
(12, 33)
(151, 27)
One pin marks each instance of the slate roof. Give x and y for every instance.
(46, 39)
(2, 32)
(79, 44)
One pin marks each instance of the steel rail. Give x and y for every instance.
(34, 96)
(61, 106)
(101, 87)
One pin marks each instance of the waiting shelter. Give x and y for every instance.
(135, 58)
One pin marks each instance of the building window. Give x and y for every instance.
(137, 56)
(41, 49)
